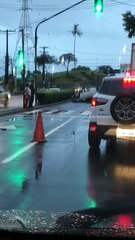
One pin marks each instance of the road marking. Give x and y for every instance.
(9, 159)
(33, 111)
(48, 112)
(60, 126)
(24, 149)
(68, 112)
(11, 127)
(86, 113)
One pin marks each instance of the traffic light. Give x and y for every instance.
(21, 61)
(98, 6)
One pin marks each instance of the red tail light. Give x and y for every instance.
(93, 128)
(98, 101)
(129, 81)
(93, 102)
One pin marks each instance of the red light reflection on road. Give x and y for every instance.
(124, 221)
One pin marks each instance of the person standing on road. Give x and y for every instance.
(27, 94)
(32, 95)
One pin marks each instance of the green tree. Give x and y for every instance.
(76, 32)
(83, 68)
(45, 60)
(66, 59)
(129, 23)
(105, 69)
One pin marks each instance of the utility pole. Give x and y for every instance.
(6, 57)
(25, 23)
(6, 61)
(43, 77)
(23, 72)
(12, 75)
(44, 68)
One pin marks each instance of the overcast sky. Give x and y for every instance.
(103, 36)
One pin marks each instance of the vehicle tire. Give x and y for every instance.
(94, 139)
(123, 109)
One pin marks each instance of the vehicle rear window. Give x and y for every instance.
(115, 87)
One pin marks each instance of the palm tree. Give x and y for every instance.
(76, 32)
(43, 60)
(66, 59)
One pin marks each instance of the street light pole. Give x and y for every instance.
(35, 75)
(36, 40)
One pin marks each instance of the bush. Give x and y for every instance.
(53, 97)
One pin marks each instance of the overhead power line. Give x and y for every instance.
(57, 7)
(123, 3)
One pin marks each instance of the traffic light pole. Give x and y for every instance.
(36, 40)
(23, 72)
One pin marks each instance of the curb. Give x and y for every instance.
(7, 112)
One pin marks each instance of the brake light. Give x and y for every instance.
(129, 81)
(98, 101)
(93, 102)
(93, 128)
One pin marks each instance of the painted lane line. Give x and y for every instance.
(11, 127)
(9, 159)
(29, 112)
(49, 112)
(68, 112)
(24, 149)
(60, 126)
(86, 113)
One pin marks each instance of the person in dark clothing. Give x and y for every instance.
(32, 95)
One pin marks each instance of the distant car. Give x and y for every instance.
(84, 95)
(87, 94)
(54, 89)
(77, 92)
(4, 96)
(50, 89)
(43, 89)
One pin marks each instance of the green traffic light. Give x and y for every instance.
(21, 62)
(21, 58)
(98, 6)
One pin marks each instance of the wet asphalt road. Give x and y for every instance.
(63, 174)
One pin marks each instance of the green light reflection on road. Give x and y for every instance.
(16, 178)
(18, 141)
(14, 174)
(90, 203)
(93, 204)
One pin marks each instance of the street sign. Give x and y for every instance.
(124, 67)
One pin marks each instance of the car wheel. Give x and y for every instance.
(94, 139)
(123, 109)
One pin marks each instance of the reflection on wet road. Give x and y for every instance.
(63, 174)
(112, 174)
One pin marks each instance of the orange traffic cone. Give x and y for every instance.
(39, 135)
